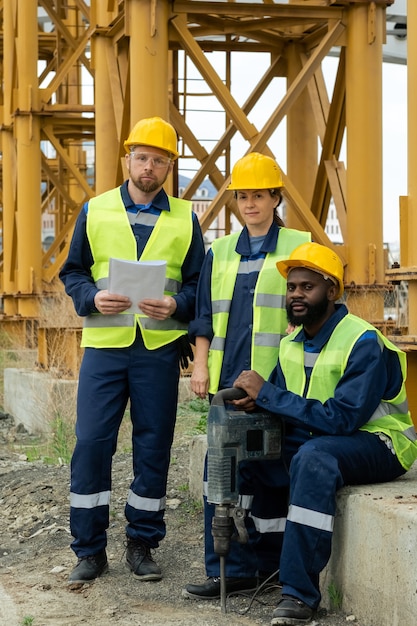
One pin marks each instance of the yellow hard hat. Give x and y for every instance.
(154, 132)
(315, 257)
(255, 171)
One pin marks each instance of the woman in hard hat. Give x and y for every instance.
(128, 356)
(240, 320)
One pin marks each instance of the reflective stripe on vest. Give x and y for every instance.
(110, 235)
(269, 314)
(391, 417)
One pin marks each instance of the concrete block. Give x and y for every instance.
(184, 390)
(198, 449)
(20, 358)
(373, 560)
(35, 399)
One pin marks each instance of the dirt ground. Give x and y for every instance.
(35, 558)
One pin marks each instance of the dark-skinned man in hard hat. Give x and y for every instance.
(130, 357)
(339, 389)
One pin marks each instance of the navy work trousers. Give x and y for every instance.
(108, 379)
(302, 486)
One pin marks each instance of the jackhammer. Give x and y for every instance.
(234, 436)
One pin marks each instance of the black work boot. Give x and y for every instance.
(139, 560)
(291, 612)
(210, 590)
(89, 567)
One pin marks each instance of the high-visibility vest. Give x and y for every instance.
(110, 235)
(269, 313)
(391, 417)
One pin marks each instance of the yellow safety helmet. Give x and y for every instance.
(315, 257)
(255, 171)
(154, 132)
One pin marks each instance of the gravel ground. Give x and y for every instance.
(35, 558)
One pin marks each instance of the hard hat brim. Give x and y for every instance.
(128, 145)
(284, 267)
(240, 188)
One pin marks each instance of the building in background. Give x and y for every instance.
(332, 228)
(200, 203)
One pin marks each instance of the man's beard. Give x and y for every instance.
(147, 187)
(314, 313)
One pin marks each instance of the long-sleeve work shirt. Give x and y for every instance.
(370, 374)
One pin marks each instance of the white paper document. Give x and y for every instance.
(137, 280)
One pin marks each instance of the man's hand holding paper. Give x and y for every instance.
(142, 282)
(158, 309)
(111, 303)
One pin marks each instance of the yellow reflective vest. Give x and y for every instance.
(391, 417)
(110, 235)
(269, 313)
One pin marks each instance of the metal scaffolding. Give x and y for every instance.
(77, 74)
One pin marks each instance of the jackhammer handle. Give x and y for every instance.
(225, 395)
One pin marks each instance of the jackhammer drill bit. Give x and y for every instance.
(222, 530)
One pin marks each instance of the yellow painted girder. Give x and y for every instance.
(194, 27)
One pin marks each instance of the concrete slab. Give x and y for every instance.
(36, 399)
(374, 560)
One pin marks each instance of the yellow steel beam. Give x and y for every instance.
(58, 184)
(297, 12)
(298, 84)
(147, 27)
(28, 163)
(259, 141)
(48, 131)
(208, 160)
(331, 145)
(9, 169)
(408, 233)
(132, 65)
(109, 101)
(364, 153)
(301, 135)
(198, 151)
(66, 66)
(307, 220)
(224, 96)
(408, 213)
(61, 27)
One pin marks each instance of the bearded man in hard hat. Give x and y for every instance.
(339, 389)
(130, 357)
(240, 320)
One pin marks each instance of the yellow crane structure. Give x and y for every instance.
(60, 145)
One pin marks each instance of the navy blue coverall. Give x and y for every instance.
(241, 560)
(108, 378)
(324, 450)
